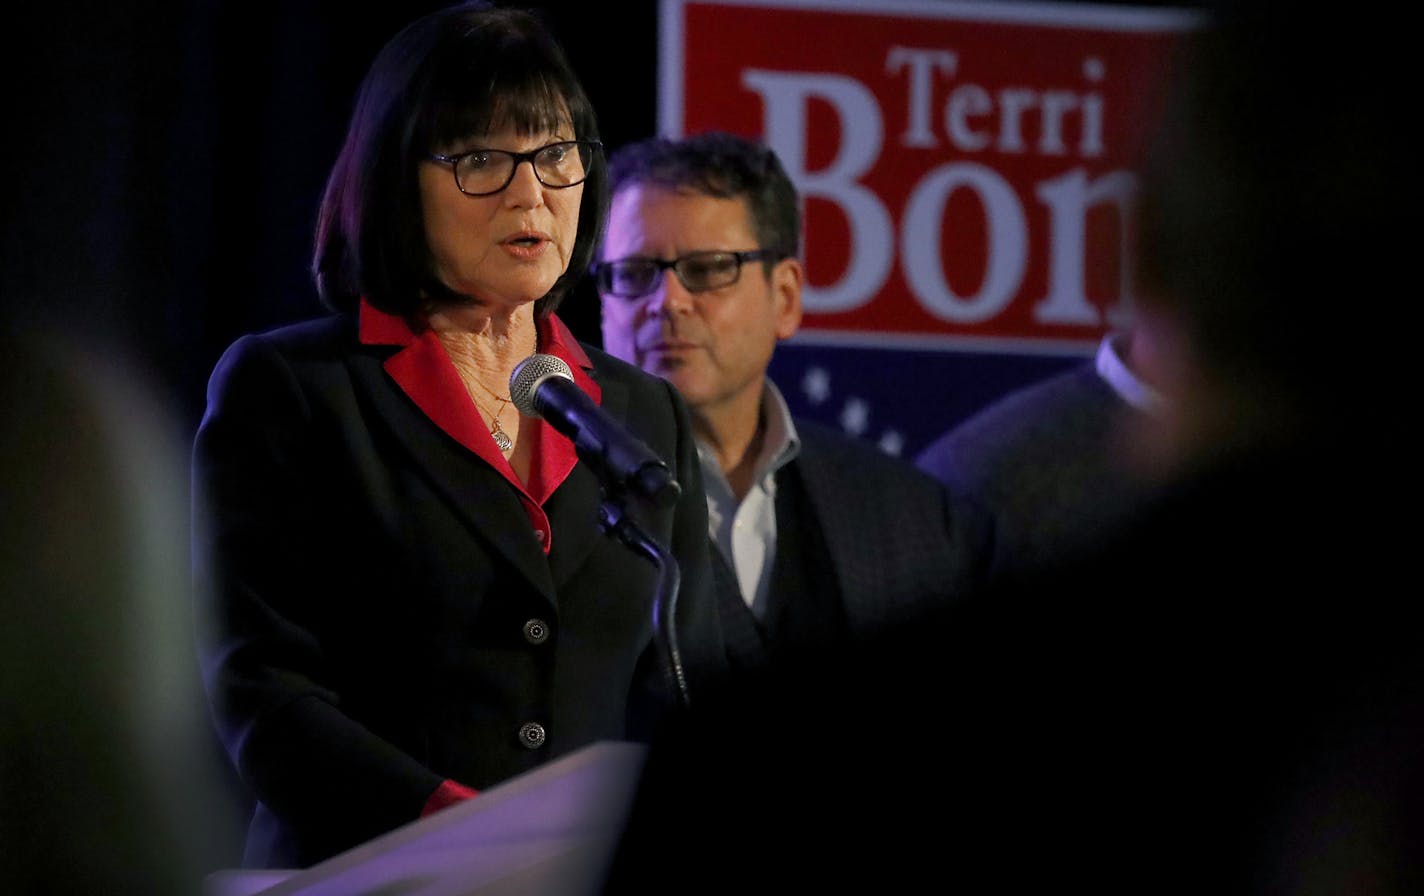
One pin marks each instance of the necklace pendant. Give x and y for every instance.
(501, 438)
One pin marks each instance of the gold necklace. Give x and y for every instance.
(493, 394)
(501, 438)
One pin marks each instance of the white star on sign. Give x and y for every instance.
(816, 384)
(855, 413)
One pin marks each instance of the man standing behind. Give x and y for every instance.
(824, 538)
(1055, 462)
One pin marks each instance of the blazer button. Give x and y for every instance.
(531, 735)
(536, 631)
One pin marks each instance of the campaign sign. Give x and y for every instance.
(966, 169)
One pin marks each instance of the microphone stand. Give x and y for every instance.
(543, 386)
(616, 521)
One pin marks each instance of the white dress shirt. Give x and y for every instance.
(745, 533)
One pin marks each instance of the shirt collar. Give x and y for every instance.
(1128, 385)
(779, 445)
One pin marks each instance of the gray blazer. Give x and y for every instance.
(1048, 461)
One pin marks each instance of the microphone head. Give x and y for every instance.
(524, 381)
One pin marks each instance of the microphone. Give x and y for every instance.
(543, 386)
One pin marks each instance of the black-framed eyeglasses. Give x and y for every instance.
(482, 172)
(633, 278)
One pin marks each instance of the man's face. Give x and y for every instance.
(713, 345)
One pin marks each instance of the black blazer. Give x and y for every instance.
(881, 544)
(381, 614)
(900, 544)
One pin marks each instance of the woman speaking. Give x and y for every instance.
(412, 596)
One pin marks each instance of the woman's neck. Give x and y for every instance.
(485, 348)
(485, 345)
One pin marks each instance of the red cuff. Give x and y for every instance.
(447, 794)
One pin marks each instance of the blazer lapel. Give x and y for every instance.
(480, 496)
(849, 540)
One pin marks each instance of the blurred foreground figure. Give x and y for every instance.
(109, 783)
(1223, 697)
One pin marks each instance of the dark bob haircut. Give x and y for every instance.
(725, 166)
(459, 72)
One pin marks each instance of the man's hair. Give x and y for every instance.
(722, 165)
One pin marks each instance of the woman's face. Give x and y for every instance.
(506, 249)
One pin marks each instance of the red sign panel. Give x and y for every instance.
(966, 169)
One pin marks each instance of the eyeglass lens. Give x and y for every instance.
(556, 165)
(698, 272)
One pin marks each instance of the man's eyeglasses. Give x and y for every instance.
(482, 172)
(633, 278)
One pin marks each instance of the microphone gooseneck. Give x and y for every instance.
(543, 386)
